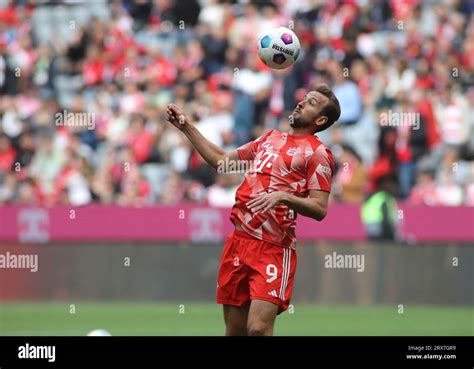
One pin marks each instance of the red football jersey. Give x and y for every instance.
(281, 162)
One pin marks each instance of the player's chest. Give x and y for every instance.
(287, 157)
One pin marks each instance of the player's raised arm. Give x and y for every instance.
(210, 152)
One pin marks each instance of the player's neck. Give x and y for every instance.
(300, 132)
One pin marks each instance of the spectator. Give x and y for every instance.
(47, 164)
(469, 191)
(448, 192)
(7, 154)
(385, 166)
(8, 189)
(424, 192)
(347, 93)
(29, 193)
(222, 193)
(411, 143)
(173, 190)
(125, 65)
(139, 139)
(453, 115)
(252, 90)
(350, 179)
(26, 150)
(72, 183)
(134, 189)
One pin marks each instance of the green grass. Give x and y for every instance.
(206, 319)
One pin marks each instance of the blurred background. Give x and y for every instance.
(127, 188)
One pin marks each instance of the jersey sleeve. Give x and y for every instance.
(249, 150)
(320, 170)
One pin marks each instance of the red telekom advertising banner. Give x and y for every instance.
(110, 223)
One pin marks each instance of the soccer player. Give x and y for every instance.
(291, 174)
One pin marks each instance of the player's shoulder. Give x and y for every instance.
(320, 150)
(317, 145)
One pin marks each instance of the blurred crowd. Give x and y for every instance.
(403, 72)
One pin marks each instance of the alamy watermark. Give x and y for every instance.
(234, 166)
(399, 119)
(75, 119)
(28, 351)
(251, 167)
(14, 261)
(348, 261)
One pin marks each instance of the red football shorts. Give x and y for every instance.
(252, 269)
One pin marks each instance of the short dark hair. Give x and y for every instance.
(332, 110)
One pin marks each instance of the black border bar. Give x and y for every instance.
(241, 352)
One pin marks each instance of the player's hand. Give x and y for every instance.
(176, 117)
(266, 202)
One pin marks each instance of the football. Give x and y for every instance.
(99, 332)
(278, 48)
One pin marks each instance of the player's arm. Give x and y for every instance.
(319, 176)
(210, 152)
(314, 206)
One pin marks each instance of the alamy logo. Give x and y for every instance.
(339, 261)
(234, 166)
(400, 119)
(37, 352)
(13, 261)
(74, 119)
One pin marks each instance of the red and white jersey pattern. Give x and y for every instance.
(281, 162)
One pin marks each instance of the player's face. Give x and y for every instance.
(308, 111)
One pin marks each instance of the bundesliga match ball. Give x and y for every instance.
(99, 333)
(279, 47)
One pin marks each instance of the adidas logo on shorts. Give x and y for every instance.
(273, 293)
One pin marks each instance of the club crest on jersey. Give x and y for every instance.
(292, 151)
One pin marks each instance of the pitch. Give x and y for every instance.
(192, 319)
